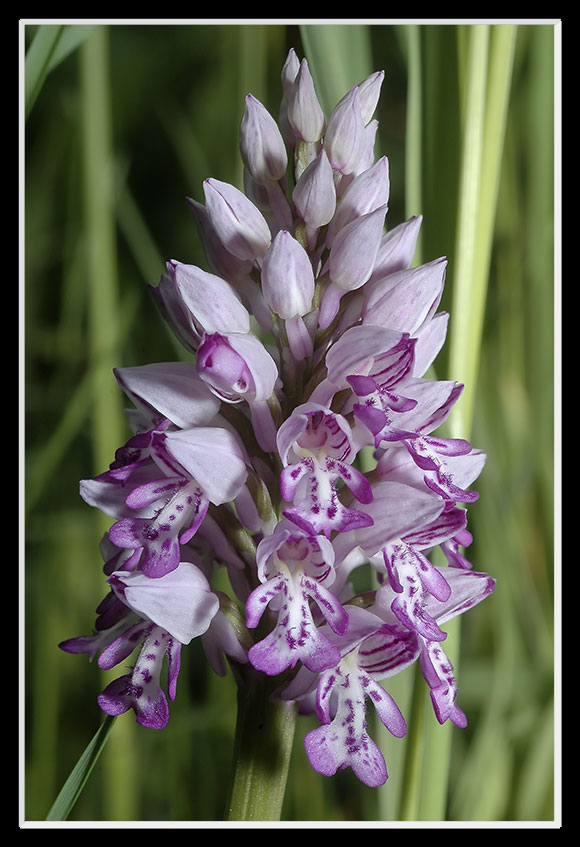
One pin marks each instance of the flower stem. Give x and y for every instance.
(262, 750)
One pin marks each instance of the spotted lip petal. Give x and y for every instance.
(295, 637)
(140, 690)
(160, 537)
(344, 741)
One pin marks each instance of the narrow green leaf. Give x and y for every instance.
(71, 39)
(487, 84)
(75, 783)
(462, 343)
(101, 269)
(38, 61)
(414, 127)
(488, 96)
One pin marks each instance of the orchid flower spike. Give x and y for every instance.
(294, 449)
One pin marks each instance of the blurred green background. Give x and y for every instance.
(124, 122)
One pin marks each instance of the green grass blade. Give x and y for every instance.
(105, 324)
(75, 783)
(414, 129)
(487, 100)
(38, 61)
(464, 334)
(50, 46)
(487, 86)
(102, 275)
(70, 40)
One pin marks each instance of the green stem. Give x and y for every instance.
(411, 781)
(262, 750)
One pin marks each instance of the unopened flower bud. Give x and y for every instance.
(369, 91)
(221, 261)
(406, 299)
(261, 143)
(287, 277)
(240, 226)
(210, 302)
(397, 248)
(304, 111)
(366, 192)
(351, 260)
(290, 71)
(314, 195)
(345, 137)
(354, 250)
(237, 367)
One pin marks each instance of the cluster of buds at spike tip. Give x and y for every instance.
(308, 340)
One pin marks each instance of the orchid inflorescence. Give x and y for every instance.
(295, 445)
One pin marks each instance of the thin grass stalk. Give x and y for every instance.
(414, 129)
(481, 167)
(108, 424)
(473, 83)
(423, 797)
(465, 334)
(408, 800)
(487, 89)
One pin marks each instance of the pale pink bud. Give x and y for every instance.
(240, 226)
(314, 195)
(366, 192)
(287, 277)
(290, 71)
(210, 302)
(370, 91)
(261, 144)
(345, 138)
(221, 261)
(351, 261)
(304, 111)
(404, 300)
(397, 248)
(354, 250)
